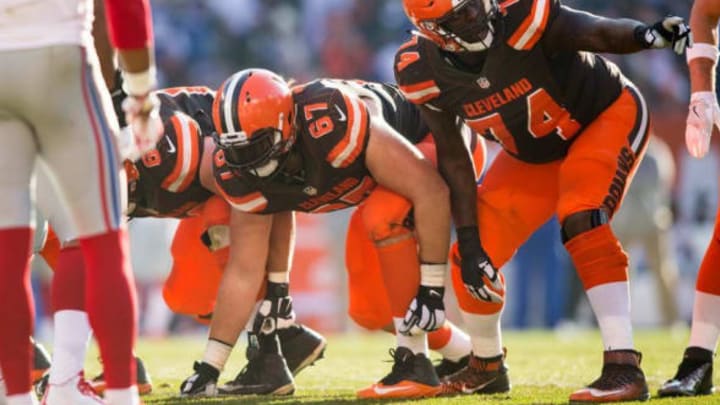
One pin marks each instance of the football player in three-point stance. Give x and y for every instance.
(695, 373)
(53, 108)
(321, 147)
(165, 182)
(573, 129)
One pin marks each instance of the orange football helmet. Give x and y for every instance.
(455, 25)
(253, 119)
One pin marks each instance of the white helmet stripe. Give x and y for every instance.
(228, 101)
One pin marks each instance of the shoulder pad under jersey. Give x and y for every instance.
(333, 121)
(525, 21)
(181, 145)
(413, 74)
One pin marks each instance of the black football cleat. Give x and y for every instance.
(142, 380)
(445, 368)
(481, 376)
(41, 361)
(694, 375)
(621, 380)
(412, 376)
(301, 347)
(203, 383)
(264, 374)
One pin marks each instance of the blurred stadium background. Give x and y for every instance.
(201, 42)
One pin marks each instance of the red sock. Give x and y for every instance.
(68, 283)
(111, 304)
(708, 278)
(16, 311)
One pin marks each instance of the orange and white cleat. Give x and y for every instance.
(412, 376)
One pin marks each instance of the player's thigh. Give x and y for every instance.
(602, 161)
(514, 199)
(76, 129)
(369, 305)
(17, 157)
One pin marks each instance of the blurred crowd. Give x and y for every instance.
(668, 217)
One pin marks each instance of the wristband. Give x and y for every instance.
(702, 50)
(433, 274)
(639, 35)
(139, 83)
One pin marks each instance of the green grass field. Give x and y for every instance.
(544, 368)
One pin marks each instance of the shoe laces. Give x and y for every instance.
(249, 374)
(402, 365)
(614, 376)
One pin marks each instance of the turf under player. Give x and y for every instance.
(573, 129)
(316, 149)
(53, 107)
(695, 372)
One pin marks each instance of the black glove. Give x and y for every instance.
(426, 312)
(275, 310)
(203, 383)
(671, 31)
(482, 280)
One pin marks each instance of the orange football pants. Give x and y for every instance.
(516, 198)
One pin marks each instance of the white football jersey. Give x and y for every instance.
(27, 24)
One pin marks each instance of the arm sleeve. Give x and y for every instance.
(129, 23)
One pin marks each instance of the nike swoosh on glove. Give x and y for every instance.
(671, 31)
(703, 115)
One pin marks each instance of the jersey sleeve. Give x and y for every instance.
(234, 190)
(527, 20)
(412, 75)
(182, 140)
(337, 122)
(129, 23)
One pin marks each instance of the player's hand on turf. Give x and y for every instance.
(482, 280)
(273, 313)
(426, 312)
(670, 32)
(142, 114)
(203, 382)
(703, 115)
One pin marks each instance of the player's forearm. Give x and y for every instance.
(282, 242)
(575, 30)
(460, 178)
(702, 57)
(702, 74)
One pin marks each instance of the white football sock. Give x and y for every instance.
(27, 398)
(485, 334)
(417, 344)
(705, 328)
(458, 346)
(70, 342)
(611, 304)
(122, 396)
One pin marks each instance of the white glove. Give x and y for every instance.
(703, 115)
(142, 114)
(671, 31)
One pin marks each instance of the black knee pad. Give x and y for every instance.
(583, 221)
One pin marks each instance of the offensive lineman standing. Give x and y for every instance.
(695, 373)
(54, 107)
(573, 130)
